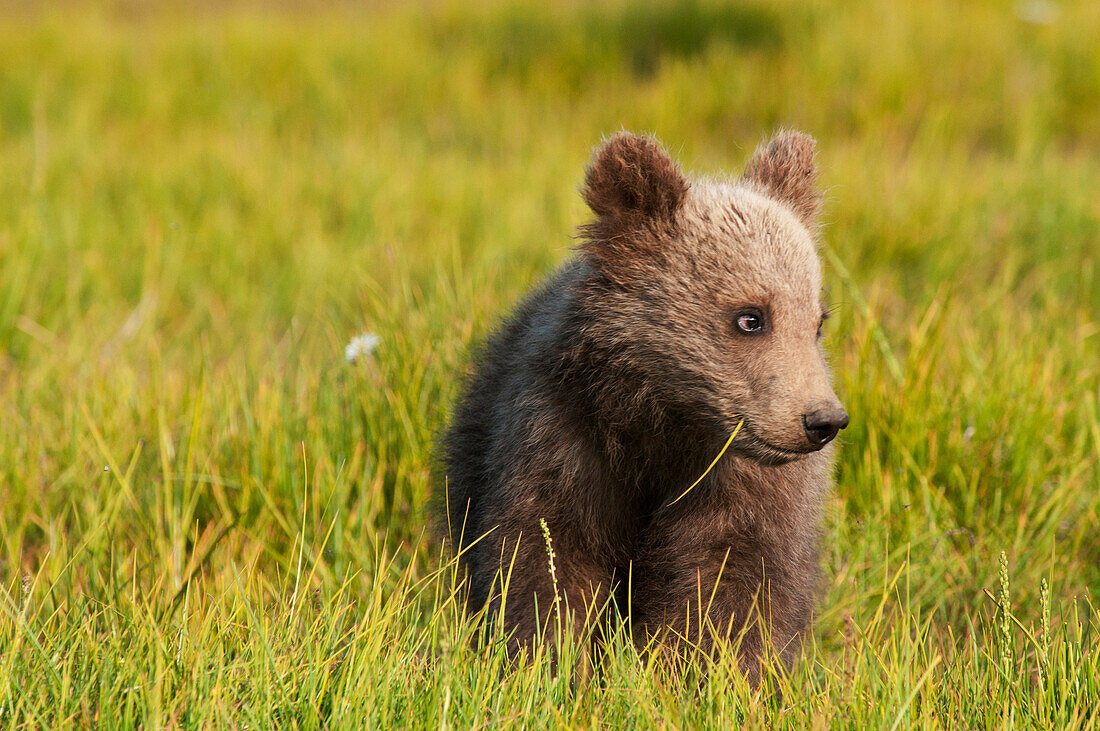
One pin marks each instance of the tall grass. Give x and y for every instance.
(208, 517)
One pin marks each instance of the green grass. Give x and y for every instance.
(208, 518)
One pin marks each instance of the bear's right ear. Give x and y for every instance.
(632, 177)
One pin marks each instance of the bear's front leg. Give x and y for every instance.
(536, 598)
(706, 581)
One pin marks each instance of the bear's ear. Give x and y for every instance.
(632, 177)
(784, 169)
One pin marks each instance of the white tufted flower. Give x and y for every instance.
(361, 346)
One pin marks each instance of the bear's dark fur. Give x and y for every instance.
(692, 306)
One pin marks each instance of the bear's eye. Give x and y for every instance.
(750, 323)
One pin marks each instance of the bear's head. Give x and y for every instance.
(709, 292)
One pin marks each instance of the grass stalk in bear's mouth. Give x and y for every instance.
(711, 465)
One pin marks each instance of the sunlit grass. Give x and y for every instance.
(208, 516)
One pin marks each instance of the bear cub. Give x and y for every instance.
(692, 306)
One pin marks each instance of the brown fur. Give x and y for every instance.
(785, 170)
(615, 384)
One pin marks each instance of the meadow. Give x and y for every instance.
(210, 518)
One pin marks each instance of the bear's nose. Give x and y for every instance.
(823, 424)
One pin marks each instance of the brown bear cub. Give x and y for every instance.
(692, 306)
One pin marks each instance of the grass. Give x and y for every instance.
(208, 518)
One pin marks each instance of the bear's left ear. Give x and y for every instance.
(632, 177)
(784, 169)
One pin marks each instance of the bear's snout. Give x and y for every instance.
(822, 425)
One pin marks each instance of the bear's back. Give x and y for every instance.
(513, 370)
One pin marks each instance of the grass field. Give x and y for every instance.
(209, 518)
